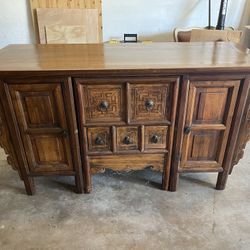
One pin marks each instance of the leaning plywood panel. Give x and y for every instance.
(67, 4)
(65, 34)
(69, 17)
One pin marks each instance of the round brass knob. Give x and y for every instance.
(149, 104)
(103, 106)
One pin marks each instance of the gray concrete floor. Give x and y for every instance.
(126, 211)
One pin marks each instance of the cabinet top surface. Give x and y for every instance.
(154, 56)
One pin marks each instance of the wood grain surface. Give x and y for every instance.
(155, 57)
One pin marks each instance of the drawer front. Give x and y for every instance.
(127, 138)
(151, 102)
(101, 103)
(99, 139)
(127, 162)
(156, 137)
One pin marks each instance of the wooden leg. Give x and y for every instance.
(87, 177)
(29, 185)
(222, 180)
(79, 184)
(166, 172)
(173, 182)
(178, 135)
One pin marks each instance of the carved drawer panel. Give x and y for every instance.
(99, 139)
(102, 103)
(127, 138)
(156, 137)
(151, 102)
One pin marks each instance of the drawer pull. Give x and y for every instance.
(99, 141)
(65, 133)
(103, 106)
(187, 130)
(149, 104)
(155, 139)
(127, 140)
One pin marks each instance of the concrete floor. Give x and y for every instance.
(126, 211)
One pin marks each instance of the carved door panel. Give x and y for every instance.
(209, 114)
(42, 121)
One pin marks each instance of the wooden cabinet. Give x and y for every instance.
(77, 110)
(41, 117)
(210, 110)
(132, 105)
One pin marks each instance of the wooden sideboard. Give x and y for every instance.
(76, 110)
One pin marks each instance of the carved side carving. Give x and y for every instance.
(244, 136)
(5, 142)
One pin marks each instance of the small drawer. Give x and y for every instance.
(156, 137)
(102, 103)
(99, 139)
(127, 138)
(151, 103)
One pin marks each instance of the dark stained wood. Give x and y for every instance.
(178, 133)
(150, 102)
(244, 135)
(74, 134)
(16, 139)
(41, 107)
(127, 162)
(156, 137)
(209, 113)
(103, 102)
(238, 114)
(80, 109)
(127, 138)
(99, 139)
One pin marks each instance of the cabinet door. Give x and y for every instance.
(42, 121)
(210, 110)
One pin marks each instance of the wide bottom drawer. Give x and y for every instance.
(127, 162)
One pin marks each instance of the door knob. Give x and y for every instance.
(187, 130)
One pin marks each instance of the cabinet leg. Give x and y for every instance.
(222, 180)
(87, 178)
(173, 183)
(29, 185)
(79, 184)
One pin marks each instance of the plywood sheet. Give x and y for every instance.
(69, 17)
(65, 34)
(67, 4)
(200, 35)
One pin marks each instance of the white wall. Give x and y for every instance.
(151, 19)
